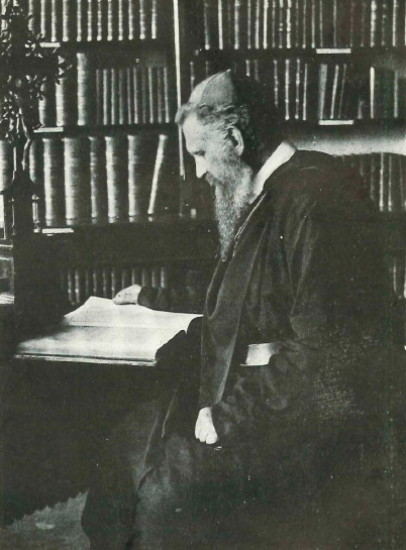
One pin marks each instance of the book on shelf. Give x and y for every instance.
(98, 20)
(98, 179)
(384, 174)
(263, 24)
(141, 147)
(54, 197)
(76, 180)
(117, 178)
(105, 281)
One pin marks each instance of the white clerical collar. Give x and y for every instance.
(282, 154)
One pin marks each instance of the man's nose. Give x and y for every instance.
(200, 167)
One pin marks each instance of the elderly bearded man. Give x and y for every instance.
(238, 456)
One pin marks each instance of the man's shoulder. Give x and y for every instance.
(314, 178)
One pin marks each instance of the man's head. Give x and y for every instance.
(230, 127)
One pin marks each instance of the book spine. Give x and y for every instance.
(396, 94)
(281, 24)
(321, 107)
(33, 22)
(372, 92)
(383, 184)
(122, 96)
(101, 32)
(132, 32)
(151, 95)
(207, 24)
(274, 26)
(304, 24)
(384, 23)
(99, 96)
(115, 278)
(257, 25)
(220, 23)
(122, 32)
(91, 21)
(86, 90)
(373, 23)
(145, 276)
(275, 75)
(117, 178)
(154, 19)
(342, 92)
(142, 20)
(160, 107)
(106, 282)
(265, 25)
(65, 103)
(76, 178)
(157, 175)
(297, 88)
(237, 24)
(46, 105)
(320, 24)
(313, 24)
(114, 95)
(56, 20)
(136, 276)
(363, 24)
(125, 277)
(106, 97)
(53, 183)
(68, 21)
(98, 179)
(297, 23)
(305, 91)
(394, 22)
(6, 174)
(139, 173)
(287, 89)
(111, 20)
(288, 26)
(167, 102)
(81, 23)
(129, 95)
(137, 94)
(334, 103)
(250, 19)
(45, 19)
(144, 96)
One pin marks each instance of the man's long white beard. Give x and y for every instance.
(232, 201)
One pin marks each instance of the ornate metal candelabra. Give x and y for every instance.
(25, 67)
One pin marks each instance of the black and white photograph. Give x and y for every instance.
(202, 274)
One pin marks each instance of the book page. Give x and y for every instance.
(102, 312)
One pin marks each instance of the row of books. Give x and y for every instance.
(307, 90)
(385, 175)
(264, 24)
(78, 283)
(109, 95)
(100, 179)
(97, 20)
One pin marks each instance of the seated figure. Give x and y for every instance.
(293, 450)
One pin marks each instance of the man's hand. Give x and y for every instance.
(204, 430)
(128, 295)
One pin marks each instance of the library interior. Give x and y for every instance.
(98, 193)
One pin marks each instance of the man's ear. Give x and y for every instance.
(237, 140)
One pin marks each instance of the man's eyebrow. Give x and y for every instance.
(196, 152)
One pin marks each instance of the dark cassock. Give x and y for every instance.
(309, 443)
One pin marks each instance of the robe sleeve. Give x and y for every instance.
(338, 298)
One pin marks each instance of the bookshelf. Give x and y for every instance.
(336, 70)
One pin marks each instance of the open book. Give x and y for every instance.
(99, 329)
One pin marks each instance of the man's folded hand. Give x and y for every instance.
(204, 430)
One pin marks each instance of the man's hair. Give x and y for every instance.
(259, 123)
